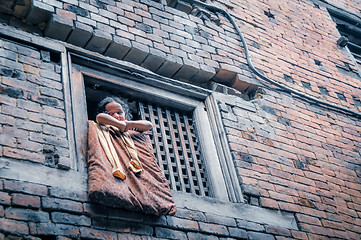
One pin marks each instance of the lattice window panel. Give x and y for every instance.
(176, 147)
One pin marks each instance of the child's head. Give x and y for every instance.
(115, 107)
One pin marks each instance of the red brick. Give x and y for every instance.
(281, 174)
(312, 236)
(4, 99)
(308, 219)
(269, 203)
(23, 154)
(183, 224)
(56, 229)
(316, 229)
(15, 112)
(65, 14)
(14, 227)
(298, 234)
(218, 219)
(61, 204)
(267, 185)
(27, 215)
(25, 187)
(213, 228)
(170, 233)
(352, 235)
(237, 233)
(26, 200)
(289, 207)
(304, 180)
(282, 197)
(5, 198)
(278, 231)
(332, 224)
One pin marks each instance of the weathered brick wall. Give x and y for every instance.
(36, 211)
(290, 155)
(299, 158)
(284, 45)
(32, 105)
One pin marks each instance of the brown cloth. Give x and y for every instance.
(146, 192)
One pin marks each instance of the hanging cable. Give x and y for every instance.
(215, 9)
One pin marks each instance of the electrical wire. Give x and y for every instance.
(215, 9)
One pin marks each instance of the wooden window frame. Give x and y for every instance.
(222, 177)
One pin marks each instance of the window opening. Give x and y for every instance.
(176, 148)
(351, 29)
(174, 138)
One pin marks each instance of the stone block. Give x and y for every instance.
(142, 229)
(62, 205)
(92, 233)
(80, 34)
(212, 218)
(204, 74)
(237, 233)
(118, 48)
(58, 27)
(245, 83)
(170, 233)
(192, 215)
(213, 229)
(39, 12)
(27, 215)
(123, 214)
(61, 217)
(99, 41)
(183, 224)
(64, 163)
(171, 65)
(263, 236)
(56, 229)
(225, 76)
(197, 236)
(154, 59)
(25, 187)
(187, 71)
(137, 53)
(112, 225)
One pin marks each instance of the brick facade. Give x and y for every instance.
(297, 162)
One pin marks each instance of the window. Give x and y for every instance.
(176, 147)
(184, 124)
(349, 27)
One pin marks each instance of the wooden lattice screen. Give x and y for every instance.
(175, 145)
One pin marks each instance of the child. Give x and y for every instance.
(113, 115)
(115, 112)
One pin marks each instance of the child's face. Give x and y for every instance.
(115, 110)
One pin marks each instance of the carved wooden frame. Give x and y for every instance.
(182, 95)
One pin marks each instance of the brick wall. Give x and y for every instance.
(294, 159)
(32, 112)
(299, 158)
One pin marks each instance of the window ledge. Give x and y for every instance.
(76, 181)
(235, 210)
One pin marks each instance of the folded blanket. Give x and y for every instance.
(147, 191)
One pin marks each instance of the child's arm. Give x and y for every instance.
(106, 119)
(139, 125)
(123, 126)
